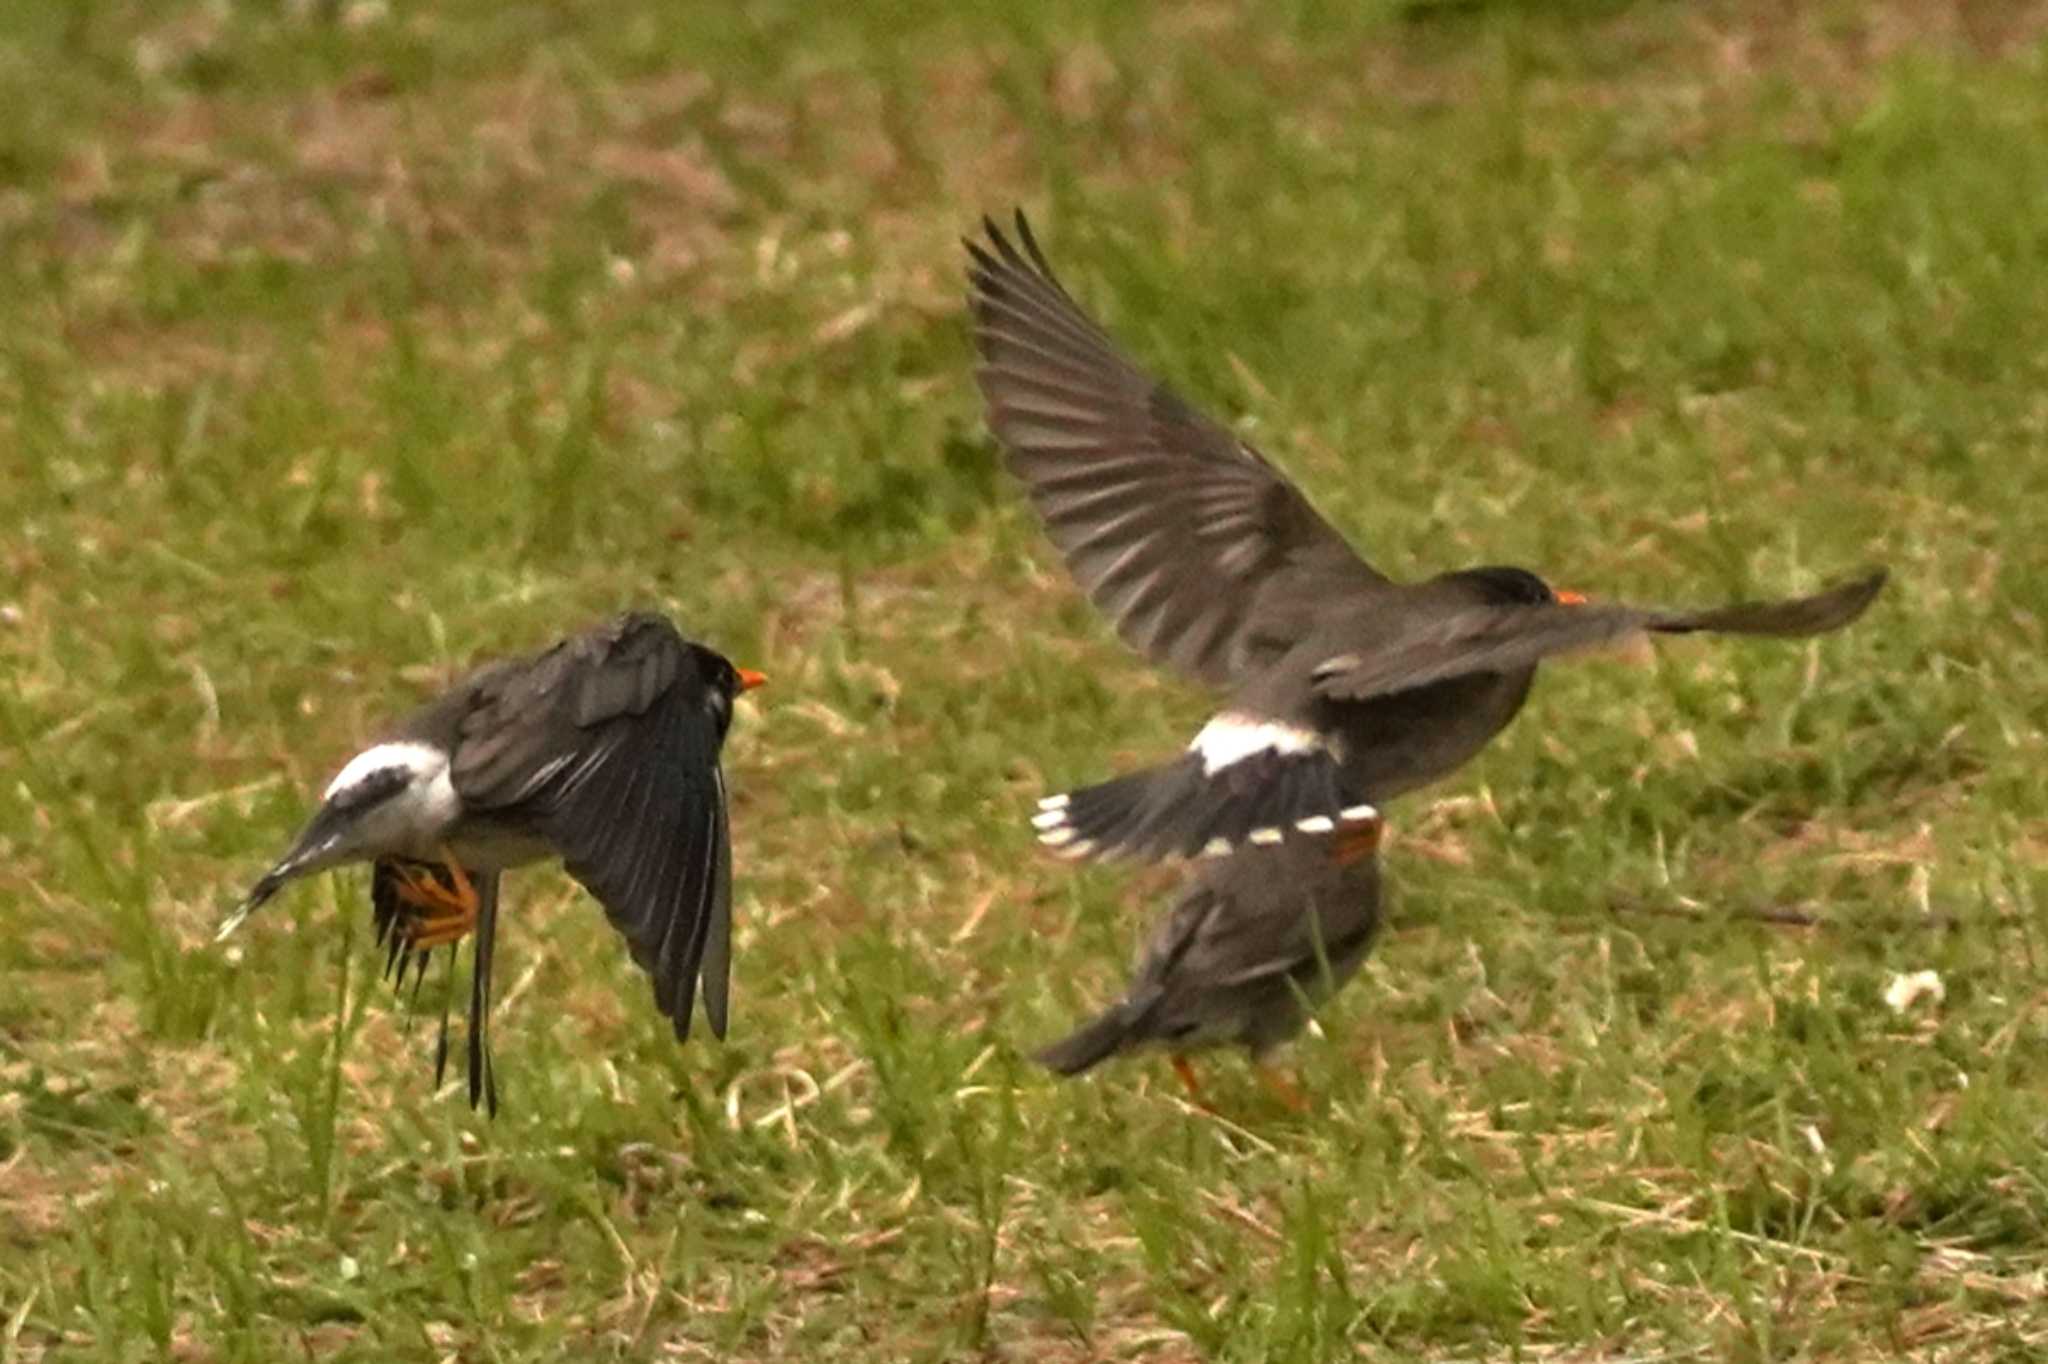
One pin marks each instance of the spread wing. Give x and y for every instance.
(1787, 618)
(1496, 639)
(1198, 551)
(604, 746)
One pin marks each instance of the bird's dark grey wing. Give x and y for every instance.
(715, 973)
(1499, 639)
(1789, 618)
(604, 746)
(1196, 548)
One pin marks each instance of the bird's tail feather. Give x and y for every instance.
(1182, 809)
(483, 1079)
(263, 890)
(1090, 1044)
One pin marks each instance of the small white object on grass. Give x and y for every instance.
(1908, 989)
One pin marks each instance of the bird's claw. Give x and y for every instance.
(447, 910)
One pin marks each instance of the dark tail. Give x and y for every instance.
(258, 896)
(1090, 1044)
(483, 1077)
(1182, 809)
(389, 913)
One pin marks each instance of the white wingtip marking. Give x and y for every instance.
(1049, 819)
(230, 924)
(1357, 814)
(1078, 849)
(1058, 802)
(1054, 838)
(1315, 824)
(1267, 837)
(1216, 847)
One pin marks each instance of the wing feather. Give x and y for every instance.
(605, 747)
(1179, 532)
(1423, 649)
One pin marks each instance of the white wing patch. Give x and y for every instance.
(1231, 738)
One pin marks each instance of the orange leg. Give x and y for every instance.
(448, 912)
(1187, 1077)
(1281, 1088)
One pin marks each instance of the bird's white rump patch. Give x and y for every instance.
(422, 760)
(1231, 738)
(412, 819)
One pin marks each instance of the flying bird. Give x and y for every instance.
(1254, 942)
(602, 750)
(1344, 687)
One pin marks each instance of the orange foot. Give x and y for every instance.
(447, 910)
(1186, 1072)
(1281, 1088)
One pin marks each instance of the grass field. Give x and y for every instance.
(342, 344)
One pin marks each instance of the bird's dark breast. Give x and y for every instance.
(1394, 744)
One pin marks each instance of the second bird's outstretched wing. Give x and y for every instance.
(1200, 553)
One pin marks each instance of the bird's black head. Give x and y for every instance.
(723, 680)
(1506, 586)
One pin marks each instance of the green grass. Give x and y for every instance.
(343, 344)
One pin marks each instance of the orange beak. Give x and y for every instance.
(749, 679)
(1572, 598)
